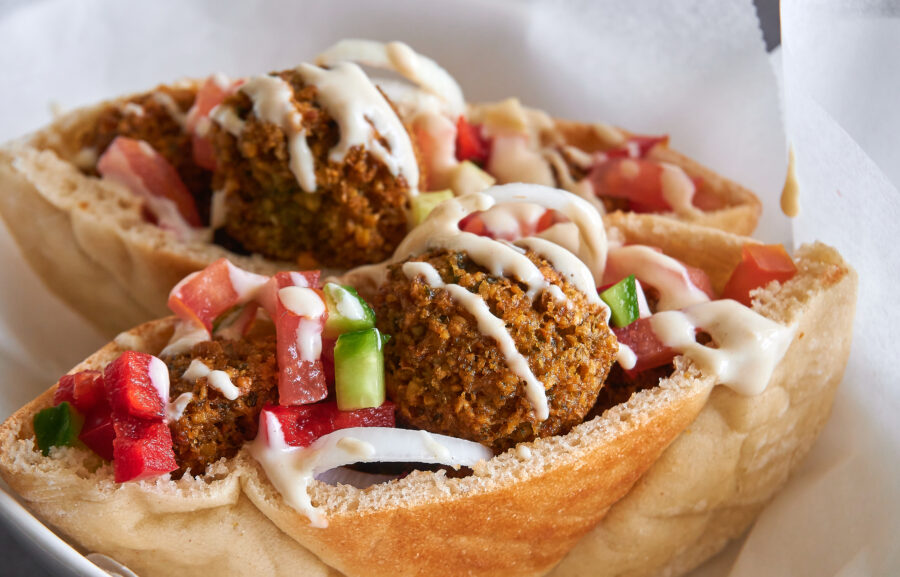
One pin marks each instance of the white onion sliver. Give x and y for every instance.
(391, 445)
(358, 479)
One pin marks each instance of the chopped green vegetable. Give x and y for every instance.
(359, 369)
(347, 311)
(424, 202)
(57, 426)
(623, 302)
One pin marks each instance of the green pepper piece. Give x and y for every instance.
(57, 426)
(359, 370)
(347, 311)
(623, 302)
(424, 202)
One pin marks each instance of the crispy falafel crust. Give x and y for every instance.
(518, 514)
(446, 377)
(357, 215)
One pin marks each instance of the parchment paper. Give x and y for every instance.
(695, 70)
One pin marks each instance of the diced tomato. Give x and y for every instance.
(98, 432)
(760, 264)
(129, 388)
(302, 425)
(636, 180)
(203, 296)
(328, 358)
(700, 279)
(470, 144)
(142, 449)
(148, 174)
(303, 278)
(642, 340)
(213, 91)
(473, 224)
(637, 146)
(301, 379)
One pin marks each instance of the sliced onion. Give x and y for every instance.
(389, 445)
(358, 479)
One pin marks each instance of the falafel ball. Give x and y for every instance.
(212, 426)
(445, 376)
(157, 118)
(357, 214)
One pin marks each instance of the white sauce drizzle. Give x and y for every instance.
(246, 284)
(175, 409)
(184, 338)
(309, 341)
(678, 189)
(397, 56)
(626, 357)
(440, 452)
(523, 451)
(357, 106)
(133, 109)
(664, 273)
(273, 102)
(166, 101)
(491, 326)
(221, 381)
(749, 345)
(196, 370)
(292, 469)
(582, 188)
(302, 301)
(299, 280)
(159, 378)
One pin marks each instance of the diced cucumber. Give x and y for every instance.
(623, 302)
(57, 426)
(424, 202)
(347, 311)
(359, 370)
(467, 178)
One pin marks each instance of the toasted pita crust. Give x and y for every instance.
(710, 485)
(517, 515)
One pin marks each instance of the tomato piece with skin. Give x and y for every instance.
(212, 93)
(269, 292)
(302, 425)
(474, 224)
(649, 351)
(299, 324)
(148, 174)
(760, 264)
(637, 180)
(203, 296)
(470, 144)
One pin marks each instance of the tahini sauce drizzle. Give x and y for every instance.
(351, 99)
(749, 345)
(790, 194)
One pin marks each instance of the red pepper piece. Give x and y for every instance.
(470, 144)
(642, 340)
(98, 432)
(129, 389)
(145, 172)
(760, 264)
(302, 425)
(142, 449)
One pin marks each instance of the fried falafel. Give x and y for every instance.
(445, 376)
(357, 215)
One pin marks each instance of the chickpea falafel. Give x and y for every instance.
(445, 376)
(358, 213)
